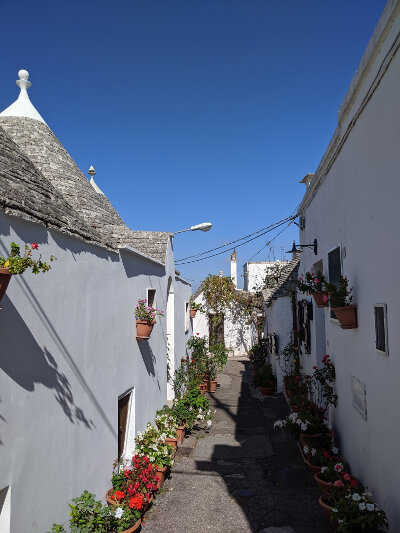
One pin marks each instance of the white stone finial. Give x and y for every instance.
(91, 171)
(22, 107)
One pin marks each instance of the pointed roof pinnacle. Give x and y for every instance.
(22, 107)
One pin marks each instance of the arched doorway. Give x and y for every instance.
(170, 339)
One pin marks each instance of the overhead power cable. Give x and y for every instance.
(267, 228)
(269, 242)
(271, 228)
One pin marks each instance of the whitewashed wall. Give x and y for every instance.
(239, 336)
(68, 351)
(279, 320)
(356, 206)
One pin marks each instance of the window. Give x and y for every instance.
(187, 321)
(381, 328)
(151, 297)
(126, 424)
(334, 268)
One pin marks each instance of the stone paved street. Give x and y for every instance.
(242, 476)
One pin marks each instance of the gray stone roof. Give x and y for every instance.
(286, 283)
(38, 143)
(25, 192)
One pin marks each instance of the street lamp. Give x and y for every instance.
(205, 226)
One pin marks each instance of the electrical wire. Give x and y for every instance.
(269, 242)
(276, 224)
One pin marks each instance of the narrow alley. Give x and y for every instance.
(241, 476)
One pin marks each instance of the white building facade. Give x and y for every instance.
(351, 208)
(69, 354)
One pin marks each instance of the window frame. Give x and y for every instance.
(187, 316)
(384, 307)
(130, 429)
(338, 245)
(153, 303)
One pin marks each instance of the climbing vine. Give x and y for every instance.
(221, 295)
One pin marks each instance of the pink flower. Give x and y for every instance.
(338, 483)
(316, 281)
(34, 246)
(324, 298)
(346, 477)
(197, 333)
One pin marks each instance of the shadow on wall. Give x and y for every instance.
(135, 265)
(2, 419)
(149, 359)
(26, 363)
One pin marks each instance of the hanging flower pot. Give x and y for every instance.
(193, 313)
(347, 316)
(5, 277)
(144, 329)
(321, 298)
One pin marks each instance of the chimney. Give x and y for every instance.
(234, 268)
(221, 273)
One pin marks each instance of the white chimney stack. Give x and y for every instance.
(234, 269)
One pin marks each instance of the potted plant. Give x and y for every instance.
(15, 264)
(257, 356)
(358, 513)
(265, 380)
(314, 284)
(333, 476)
(90, 515)
(211, 373)
(145, 319)
(194, 307)
(167, 425)
(340, 298)
(151, 443)
(137, 479)
(317, 459)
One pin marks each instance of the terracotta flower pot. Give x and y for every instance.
(314, 469)
(315, 440)
(267, 391)
(144, 329)
(172, 442)
(192, 313)
(212, 385)
(347, 316)
(321, 298)
(5, 277)
(160, 474)
(324, 486)
(324, 502)
(133, 528)
(181, 433)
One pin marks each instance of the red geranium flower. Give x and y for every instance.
(119, 495)
(34, 246)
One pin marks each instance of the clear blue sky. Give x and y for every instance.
(191, 110)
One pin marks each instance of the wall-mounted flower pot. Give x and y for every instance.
(144, 329)
(347, 316)
(193, 313)
(321, 298)
(5, 277)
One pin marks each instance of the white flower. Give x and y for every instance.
(324, 468)
(306, 449)
(361, 506)
(200, 417)
(190, 408)
(119, 512)
(303, 426)
(209, 423)
(335, 451)
(370, 506)
(356, 497)
(313, 452)
(293, 417)
(340, 521)
(334, 510)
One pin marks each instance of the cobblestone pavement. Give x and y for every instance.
(242, 476)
